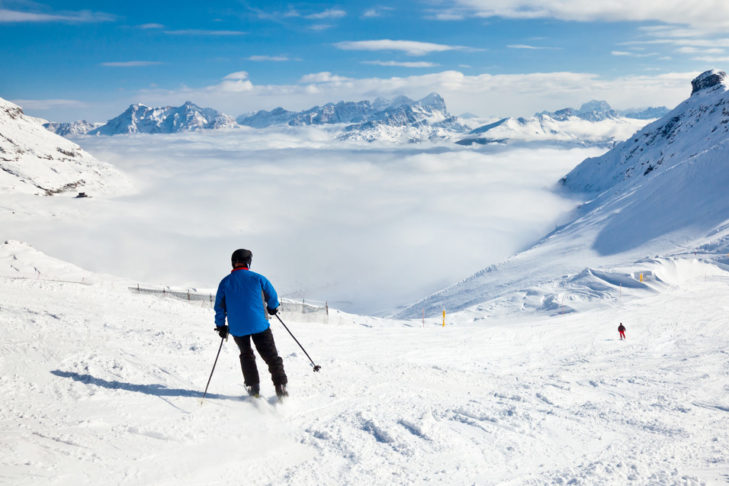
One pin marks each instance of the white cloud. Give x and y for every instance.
(633, 54)
(268, 58)
(421, 64)
(376, 12)
(83, 16)
(130, 63)
(529, 47)
(151, 26)
(707, 15)
(205, 32)
(324, 77)
(320, 27)
(332, 13)
(43, 105)
(332, 211)
(412, 48)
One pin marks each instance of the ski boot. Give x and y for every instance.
(253, 391)
(281, 391)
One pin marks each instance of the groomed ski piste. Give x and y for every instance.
(101, 385)
(525, 382)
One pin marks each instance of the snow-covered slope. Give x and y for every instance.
(101, 385)
(36, 161)
(139, 118)
(695, 129)
(662, 192)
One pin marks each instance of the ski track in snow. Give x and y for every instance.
(101, 385)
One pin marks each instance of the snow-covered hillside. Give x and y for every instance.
(139, 118)
(36, 161)
(103, 385)
(663, 193)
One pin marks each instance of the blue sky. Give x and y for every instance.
(81, 59)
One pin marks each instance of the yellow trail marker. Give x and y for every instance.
(443, 317)
(641, 277)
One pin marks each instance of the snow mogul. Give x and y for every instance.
(243, 298)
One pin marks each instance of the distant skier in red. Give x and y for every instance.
(621, 331)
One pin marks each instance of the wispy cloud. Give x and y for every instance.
(83, 16)
(324, 77)
(376, 12)
(417, 64)
(633, 54)
(151, 26)
(48, 104)
(320, 27)
(412, 48)
(127, 64)
(706, 15)
(530, 47)
(331, 13)
(269, 58)
(204, 32)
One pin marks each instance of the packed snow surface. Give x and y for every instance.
(102, 385)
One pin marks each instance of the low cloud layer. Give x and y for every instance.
(366, 228)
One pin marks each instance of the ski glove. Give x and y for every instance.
(272, 311)
(222, 331)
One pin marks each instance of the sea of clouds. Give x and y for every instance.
(368, 228)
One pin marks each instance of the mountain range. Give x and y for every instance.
(139, 118)
(594, 123)
(660, 192)
(398, 120)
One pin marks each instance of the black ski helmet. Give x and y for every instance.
(241, 256)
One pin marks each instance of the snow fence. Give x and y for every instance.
(299, 310)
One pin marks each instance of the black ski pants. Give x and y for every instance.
(267, 349)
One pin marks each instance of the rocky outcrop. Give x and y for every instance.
(707, 80)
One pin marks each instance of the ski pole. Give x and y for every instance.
(211, 372)
(315, 366)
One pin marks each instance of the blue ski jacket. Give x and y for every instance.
(240, 298)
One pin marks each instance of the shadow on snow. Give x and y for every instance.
(150, 389)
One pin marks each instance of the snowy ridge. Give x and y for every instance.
(564, 128)
(664, 192)
(36, 161)
(698, 125)
(140, 118)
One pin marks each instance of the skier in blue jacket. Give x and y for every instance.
(241, 298)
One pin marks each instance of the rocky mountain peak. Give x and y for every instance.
(708, 79)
